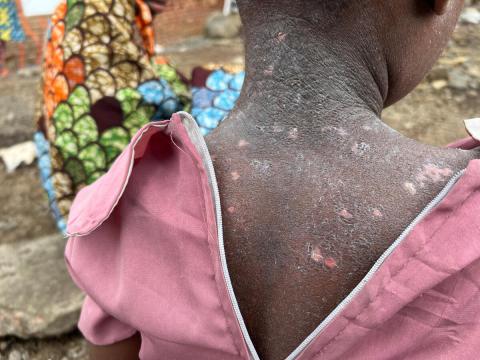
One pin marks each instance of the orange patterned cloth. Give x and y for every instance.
(79, 45)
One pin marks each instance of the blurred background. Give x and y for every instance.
(39, 305)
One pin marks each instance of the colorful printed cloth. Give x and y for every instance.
(213, 100)
(100, 85)
(10, 27)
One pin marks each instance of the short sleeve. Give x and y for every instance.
(99, 257)
(100, 328)
(99, 323)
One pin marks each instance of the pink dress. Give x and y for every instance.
(146, 246)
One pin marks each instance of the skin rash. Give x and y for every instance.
(314, 186)
(321, 170)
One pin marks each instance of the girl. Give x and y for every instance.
(304, 227)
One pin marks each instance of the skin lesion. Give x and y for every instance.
(377, 213)
(410, 188)
(242, 143)
(316, 255)
(428, 174)
(433, 173)
(330, 263)
(345, 214)
(235, 175)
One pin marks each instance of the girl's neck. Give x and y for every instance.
(299, 78)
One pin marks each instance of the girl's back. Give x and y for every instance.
(306, 220)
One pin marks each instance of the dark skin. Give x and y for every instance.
(314, 186)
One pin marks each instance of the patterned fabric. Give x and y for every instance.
(178, 84)
(213, 102)
(10, 27)
(100, 86)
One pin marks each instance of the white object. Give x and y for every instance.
(16, 155)
(473, 128)
(470, 16)
(39, 7)
(229, 6)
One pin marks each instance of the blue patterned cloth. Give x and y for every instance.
(160, 94)
(212, 103)
(10, 27)
(45, 167)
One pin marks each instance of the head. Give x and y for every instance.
(401, 38)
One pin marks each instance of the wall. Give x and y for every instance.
(184, 18)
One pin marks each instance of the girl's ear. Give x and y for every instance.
(440, 7)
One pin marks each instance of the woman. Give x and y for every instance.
(101, 84)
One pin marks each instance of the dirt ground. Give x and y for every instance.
(436, 116)
(433, 114)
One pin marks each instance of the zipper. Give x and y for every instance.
(443, 193)
(223, 258)
(298, 351)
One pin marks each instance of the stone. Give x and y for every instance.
(38, 298)
(438, 73)
(29, 71)
(220, 26)
(76, 352)
(15, 355)
(439, 84)
(18, 98)
(470, 15)
(453, 61)
(458, 80)
(473, 69)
